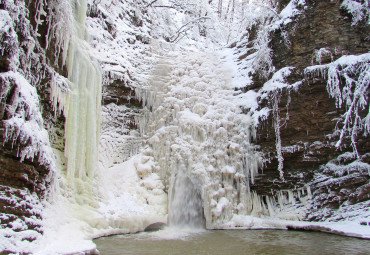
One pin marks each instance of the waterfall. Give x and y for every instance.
(71, 209)
(80, 102)
(185, 202)
(200, 139)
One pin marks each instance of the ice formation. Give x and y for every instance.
(199, 135)
(25, 122)
(98, 199)
(79, 98)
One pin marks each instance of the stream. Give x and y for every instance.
(217, 242)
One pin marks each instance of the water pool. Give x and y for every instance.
(233, 242)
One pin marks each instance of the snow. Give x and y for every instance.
(135, 193)
(16, 235)
(127, 200)
(347, 228)
(278, 80)
(358, 10)
(26, 122)
(195, 142)
(351, 94)
(322, 52)
(293, 9)
(9, 36)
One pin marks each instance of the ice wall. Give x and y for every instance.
(80, 100)
(71, 216)
(200, 138)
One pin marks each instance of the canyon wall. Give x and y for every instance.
(29, 128)
(309, 116)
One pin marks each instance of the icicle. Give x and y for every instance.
(39, 13)
(270, 206)
(26, 122)
(277, 134)
(291, 197)
(59, 94)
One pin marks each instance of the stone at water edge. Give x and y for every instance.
(155, 227)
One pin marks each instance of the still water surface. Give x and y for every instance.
(231, 242)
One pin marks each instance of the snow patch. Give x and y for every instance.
(358, 10)
(25, 123)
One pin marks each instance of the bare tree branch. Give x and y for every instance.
(268, 8)
(151, 3)
(179, 31)
(164, 6)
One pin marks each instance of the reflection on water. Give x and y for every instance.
(235, 242)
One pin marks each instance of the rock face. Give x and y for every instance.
(19, 181)
(308, 116)
(155, 227)
(24, 179)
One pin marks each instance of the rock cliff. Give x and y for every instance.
(309, 116)
(28, 125)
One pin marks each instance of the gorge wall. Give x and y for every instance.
(29, 127)
(309, 116)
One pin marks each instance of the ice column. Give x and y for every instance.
(83, 104)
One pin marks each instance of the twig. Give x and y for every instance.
(151, 3)
(178, 32)
(164, 6)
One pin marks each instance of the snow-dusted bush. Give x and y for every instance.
(263, 60)
(58, 16)
(19, 101)
(359, 10)
(348, 80)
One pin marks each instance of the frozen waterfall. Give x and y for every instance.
(73, 203)
(81, 102)
(201, 140)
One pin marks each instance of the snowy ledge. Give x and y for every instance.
(345, 228)
(350, 229)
